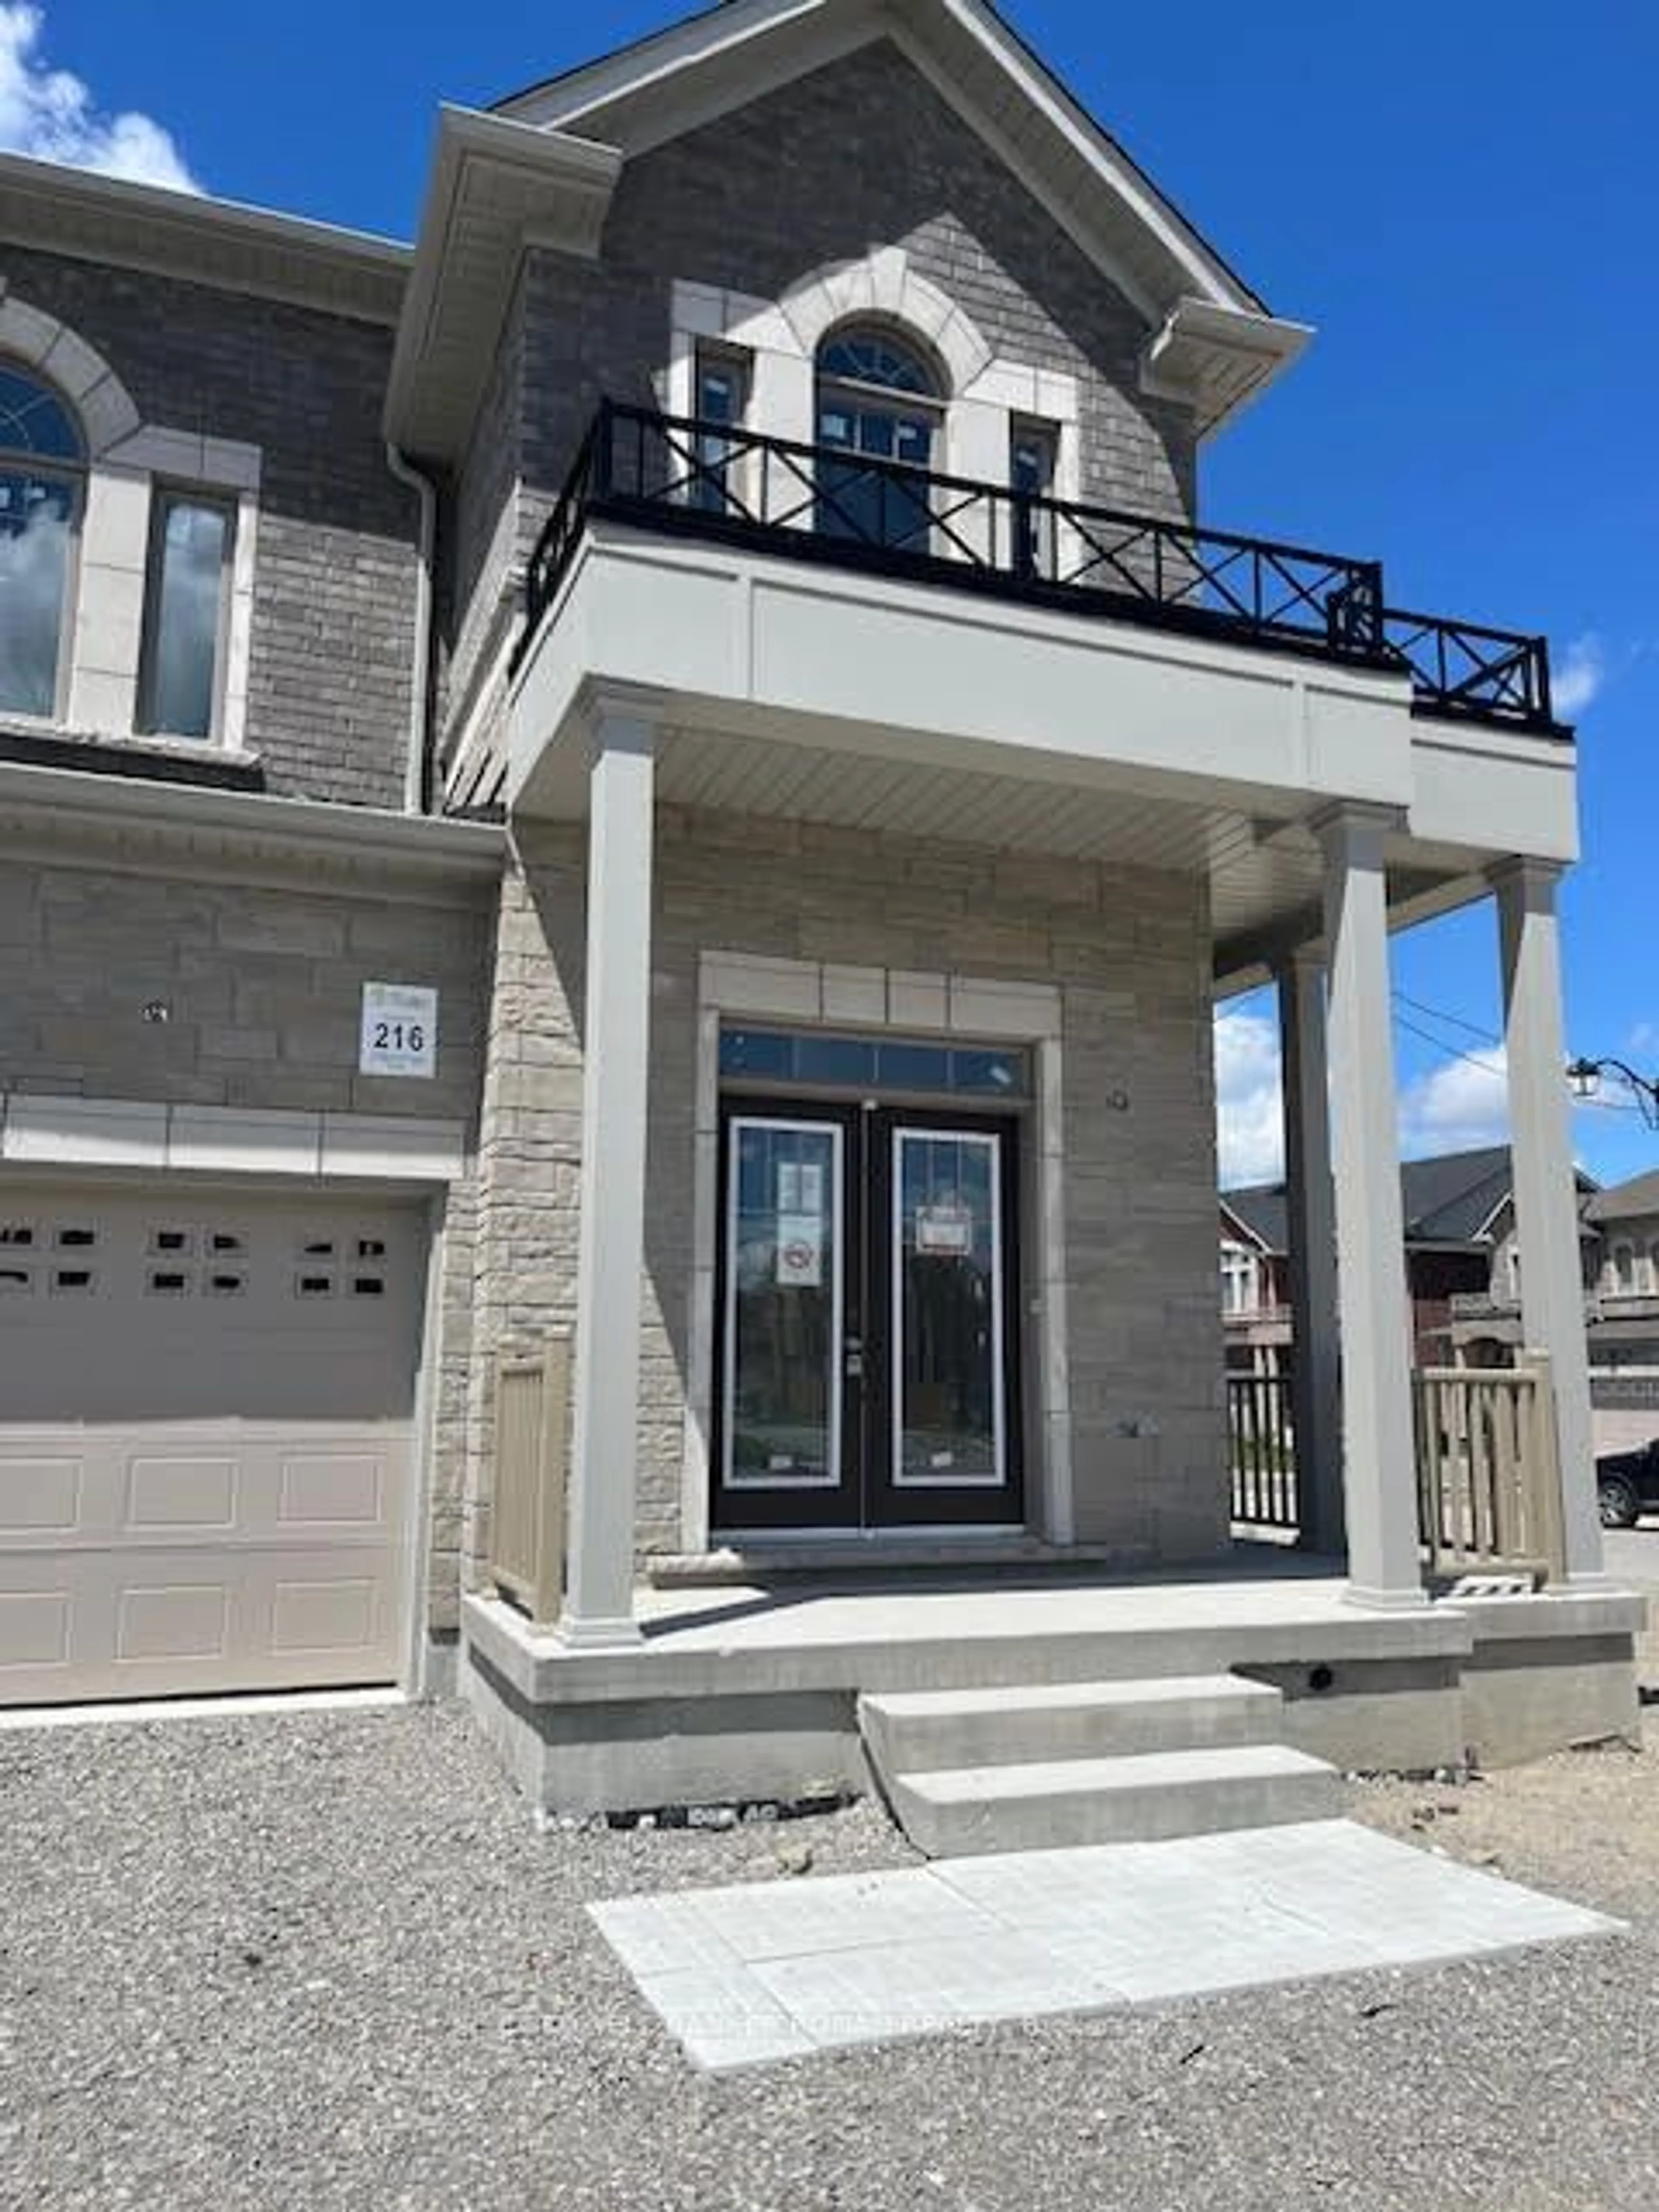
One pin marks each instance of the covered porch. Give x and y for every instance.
(759, 785)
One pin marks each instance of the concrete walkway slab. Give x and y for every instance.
(763, 1971)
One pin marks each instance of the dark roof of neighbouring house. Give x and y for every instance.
(1449, 1200)
(1624, 1200)
(1262, 1209)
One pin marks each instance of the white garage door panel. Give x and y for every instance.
(247, 1524)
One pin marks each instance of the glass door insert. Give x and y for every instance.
(783, 1428)
(949, 1339)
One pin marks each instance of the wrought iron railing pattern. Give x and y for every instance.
(817, 503)
(1463, 668)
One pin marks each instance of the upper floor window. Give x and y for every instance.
(1033, 456)
(1623, 1267)
(186, 604)
(42, 473)
(879, 405)
(721, 398)
(1238, 1290)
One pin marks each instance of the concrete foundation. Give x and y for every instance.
(750, 1694)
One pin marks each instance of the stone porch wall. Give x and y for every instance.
(1129, 951)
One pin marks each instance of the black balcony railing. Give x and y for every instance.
(849, 510)
(1461, 668)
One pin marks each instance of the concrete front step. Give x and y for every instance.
(1145, 1797)
(924, 1731)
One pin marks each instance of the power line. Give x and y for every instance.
(1456, 1021)
(1601, 1105)
(1451, 1051)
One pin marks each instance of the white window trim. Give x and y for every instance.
(744, 985)
(988, 395)
(126, 458)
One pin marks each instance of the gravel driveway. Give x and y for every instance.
(326, 1961)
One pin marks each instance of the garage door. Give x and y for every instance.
(206, 1441)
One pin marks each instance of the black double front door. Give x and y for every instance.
(866, 1358)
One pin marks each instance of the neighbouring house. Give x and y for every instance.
(1462, 1263)
(623, 827)
(1623, 1314)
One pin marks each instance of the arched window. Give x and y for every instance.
(878, 403)
(42, 469)
(1623, 1267)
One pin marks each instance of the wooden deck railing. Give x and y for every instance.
(1488, 1475)
(1262, 1450)
(526, 1538)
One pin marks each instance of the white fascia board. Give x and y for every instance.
(53, 802)
(496, 185)
(51, 207)
(1207, 274)
(1252, 1238)
(648, 62)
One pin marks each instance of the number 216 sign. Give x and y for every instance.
(399, 1034)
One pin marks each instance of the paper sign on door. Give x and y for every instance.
(947, 1230)
(800, 1186)
(800, 1251)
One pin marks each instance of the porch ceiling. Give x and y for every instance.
(1264, 876)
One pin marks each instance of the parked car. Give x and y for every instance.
(1627, 1485)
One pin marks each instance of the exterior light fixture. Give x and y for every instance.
(1585, 1077)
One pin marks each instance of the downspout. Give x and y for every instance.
(420, 714)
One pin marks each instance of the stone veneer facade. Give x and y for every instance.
(1129, 953)
(263, 976)
(743, 204)
(263, 981)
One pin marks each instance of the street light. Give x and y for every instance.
(1585, 1077)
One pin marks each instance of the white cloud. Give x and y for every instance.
(35, 552)
(1249, 1116)
(53, 116)
(1457, 1107)
(1582, 672)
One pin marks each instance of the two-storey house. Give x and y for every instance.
(676, 770)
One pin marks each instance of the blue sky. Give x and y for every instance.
(1460, 197)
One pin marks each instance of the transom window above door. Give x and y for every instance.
(822, 1059)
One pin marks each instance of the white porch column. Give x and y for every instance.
(599, 1604)
(1379, 1452)
(1545, 1199)
(1316, 1356)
